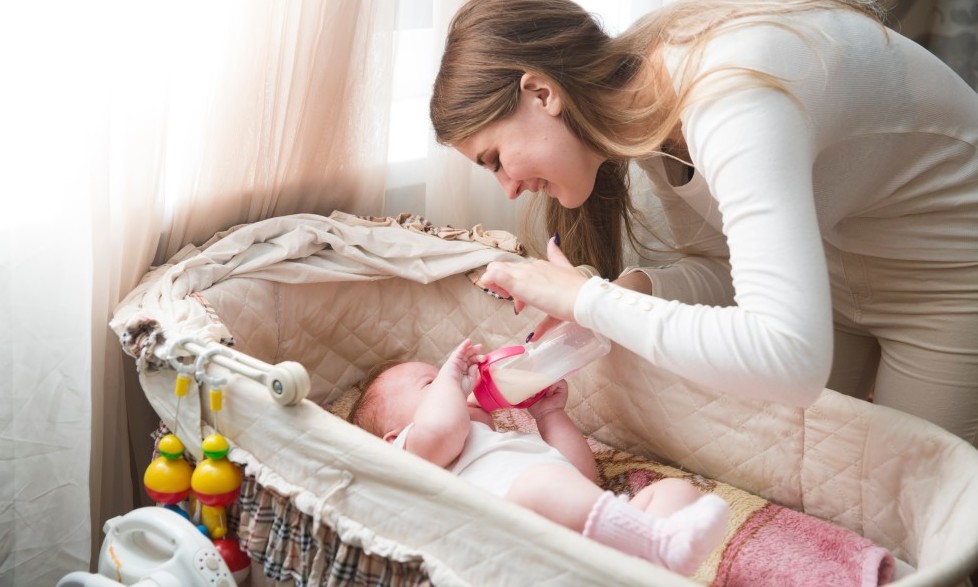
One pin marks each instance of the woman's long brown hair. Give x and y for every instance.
(612, 93)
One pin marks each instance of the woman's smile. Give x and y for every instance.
(532, 149)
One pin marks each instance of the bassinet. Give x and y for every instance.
(339, 294)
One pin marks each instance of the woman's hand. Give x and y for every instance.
(550, 286)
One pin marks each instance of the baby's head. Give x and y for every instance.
(390, 394)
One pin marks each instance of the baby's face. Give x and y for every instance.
(403, 387)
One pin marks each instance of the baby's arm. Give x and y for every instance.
(441, 420)
(559, 431)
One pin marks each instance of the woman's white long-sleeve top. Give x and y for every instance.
(873, 150)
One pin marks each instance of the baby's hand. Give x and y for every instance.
(554, 398)
(462, 363)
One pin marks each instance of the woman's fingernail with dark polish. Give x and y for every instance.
(557, 239)
(529, 337)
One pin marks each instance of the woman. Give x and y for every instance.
(818, 170)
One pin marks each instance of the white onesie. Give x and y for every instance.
(492, 460)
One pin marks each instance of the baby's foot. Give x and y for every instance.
(691, 534)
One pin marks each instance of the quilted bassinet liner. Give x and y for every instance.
(339, 294)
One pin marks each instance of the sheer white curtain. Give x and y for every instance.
(130, 129)
(52, 105)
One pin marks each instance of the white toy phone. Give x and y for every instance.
(158, 545)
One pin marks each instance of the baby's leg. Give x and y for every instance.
(669, 523)
(666, 497)
(557, 492)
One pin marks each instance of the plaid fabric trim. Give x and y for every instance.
(282, 539)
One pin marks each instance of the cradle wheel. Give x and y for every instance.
(288, 382)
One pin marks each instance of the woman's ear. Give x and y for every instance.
(542, 90)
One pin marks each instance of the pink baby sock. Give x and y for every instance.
(679, 543)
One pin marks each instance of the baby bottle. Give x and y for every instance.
(517, 376)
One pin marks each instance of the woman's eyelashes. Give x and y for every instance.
(492, 163)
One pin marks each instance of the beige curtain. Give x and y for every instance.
(131, 129)
(296, 116)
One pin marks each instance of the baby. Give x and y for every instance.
(424, 410)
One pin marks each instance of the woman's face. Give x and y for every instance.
(533, 150)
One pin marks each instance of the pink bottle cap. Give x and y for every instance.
(485, 390)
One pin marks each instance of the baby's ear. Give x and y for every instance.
(391, 436)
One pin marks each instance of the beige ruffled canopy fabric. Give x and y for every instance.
(301, 248)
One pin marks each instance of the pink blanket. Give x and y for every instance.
(780, 546)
